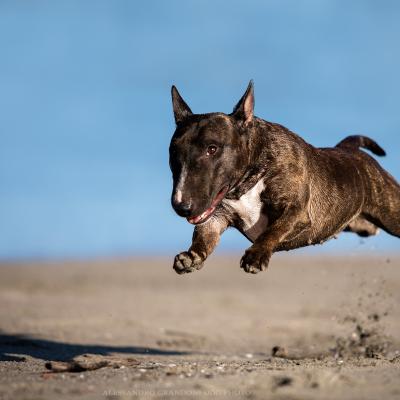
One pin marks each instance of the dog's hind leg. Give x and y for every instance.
(383, 205)
(362, 227)
(386, 218)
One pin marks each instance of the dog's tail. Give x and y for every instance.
(357, 141)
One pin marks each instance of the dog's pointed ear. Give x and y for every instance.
(244, 109)
(181, 109)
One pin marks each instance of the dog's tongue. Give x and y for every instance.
(203, 216)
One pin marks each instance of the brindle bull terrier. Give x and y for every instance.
(276, 189)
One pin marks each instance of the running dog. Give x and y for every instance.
(276, 189)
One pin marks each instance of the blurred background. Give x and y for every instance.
(86, 119)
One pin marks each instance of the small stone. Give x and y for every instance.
(283, 381)
(354, 336)
(279, 351)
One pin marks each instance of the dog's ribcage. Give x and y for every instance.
(249, 209)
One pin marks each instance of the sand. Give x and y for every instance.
(309, 327)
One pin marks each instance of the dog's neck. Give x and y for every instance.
(256, 167)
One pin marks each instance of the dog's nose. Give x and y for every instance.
(183, 209)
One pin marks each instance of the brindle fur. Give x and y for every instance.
(310, 194)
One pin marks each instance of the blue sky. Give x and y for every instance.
(86, 117)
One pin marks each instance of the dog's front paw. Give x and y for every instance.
(186, 262)
(255, 260)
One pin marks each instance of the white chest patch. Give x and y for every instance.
(248, 208)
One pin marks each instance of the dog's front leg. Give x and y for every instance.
(292, 221)
(205, 239)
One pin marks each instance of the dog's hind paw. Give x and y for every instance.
(254, 261)
(186, 262)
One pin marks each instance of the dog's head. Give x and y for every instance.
(208, 154)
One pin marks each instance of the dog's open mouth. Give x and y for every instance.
(207, 213)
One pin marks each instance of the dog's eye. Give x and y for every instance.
(211, 150)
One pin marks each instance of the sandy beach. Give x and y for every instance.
(308, 328)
